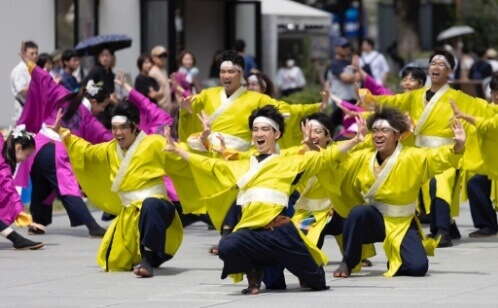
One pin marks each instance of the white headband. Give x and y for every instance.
(442, 58)
(230, 64)
(119, 119)
(381, 123)
(268, 121)
(314, 122)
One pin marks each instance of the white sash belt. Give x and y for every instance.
(390, 210)
(314, 205)
(422, 141)
(259, 194)
(128, 197)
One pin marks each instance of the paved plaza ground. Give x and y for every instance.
(64, 274)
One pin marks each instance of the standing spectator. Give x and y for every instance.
(492, 56)
(145, 84)
(340, 75)
(102, 71)
(373, 62)
(185, 79)
(45, 62)
(70, 63)
(290, 78)
(20, 78)
(160, 74)
(57, 67)
(250, 65)
(481, 69)
(464, 64)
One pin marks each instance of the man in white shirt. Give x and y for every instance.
(20, 78)
(373, 62)
(158, 72)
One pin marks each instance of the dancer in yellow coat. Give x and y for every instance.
(128, 172)
(431, 111)
(389, 177)
(261, 186)
(229, 105)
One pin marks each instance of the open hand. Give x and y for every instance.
(56, 127)
(459, 135)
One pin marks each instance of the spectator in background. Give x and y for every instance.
(290, 78)
(261, 83)
(250, 65)
(373, 62)
(20, 78)
(145, 84)
(57, 67)
(70, 63)
(340, 75)
(464, 64)
(492, 56)
(102, 71)
(45, 62)
(160, 74)
(481, 69)
(184, 81)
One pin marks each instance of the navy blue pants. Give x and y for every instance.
(481, 208)
(365, 225)
(440, 218)
(3, 226)
(156, 216)
(44, 180)
(245, 250)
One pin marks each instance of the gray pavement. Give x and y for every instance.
(64, 274)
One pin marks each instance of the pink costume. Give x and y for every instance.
(376, 89)
(152, 121)
(10, 201)
(41, 107)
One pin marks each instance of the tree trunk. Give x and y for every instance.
(407, 12)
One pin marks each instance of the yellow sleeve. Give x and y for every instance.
(487, 127)
(400, 101)
(81, 151)
(437, 160)
(474, 106)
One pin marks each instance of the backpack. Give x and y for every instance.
(366, 65)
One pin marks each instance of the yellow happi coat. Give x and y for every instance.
(262, 189)
(124, 180)
(432, 128)
(394, 190)
(229, 116)
(488, 143)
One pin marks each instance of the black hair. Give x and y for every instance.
(392, 115)
(141, 59)
(183, 54)
(269, 111)
(493, 84)
(26, 140)
(43, 58)
(239, 45)
(30, 44)
(129, 110)
(323, 118)
(446, 54)
(230, 55)
(67, 55)
(264, 82)
(416, 72)
(480, 51)
(369, 41)
(76, 98)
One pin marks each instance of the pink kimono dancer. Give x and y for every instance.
(49, 167)
(152, 121)
(10, 201)
(375, 89)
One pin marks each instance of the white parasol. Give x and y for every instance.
(454, 32)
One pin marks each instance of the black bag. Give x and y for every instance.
(366, 65)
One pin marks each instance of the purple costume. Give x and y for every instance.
(41, 107)
(10, 201)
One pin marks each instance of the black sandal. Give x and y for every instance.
(254, 279)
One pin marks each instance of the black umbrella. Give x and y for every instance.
(92, 46)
